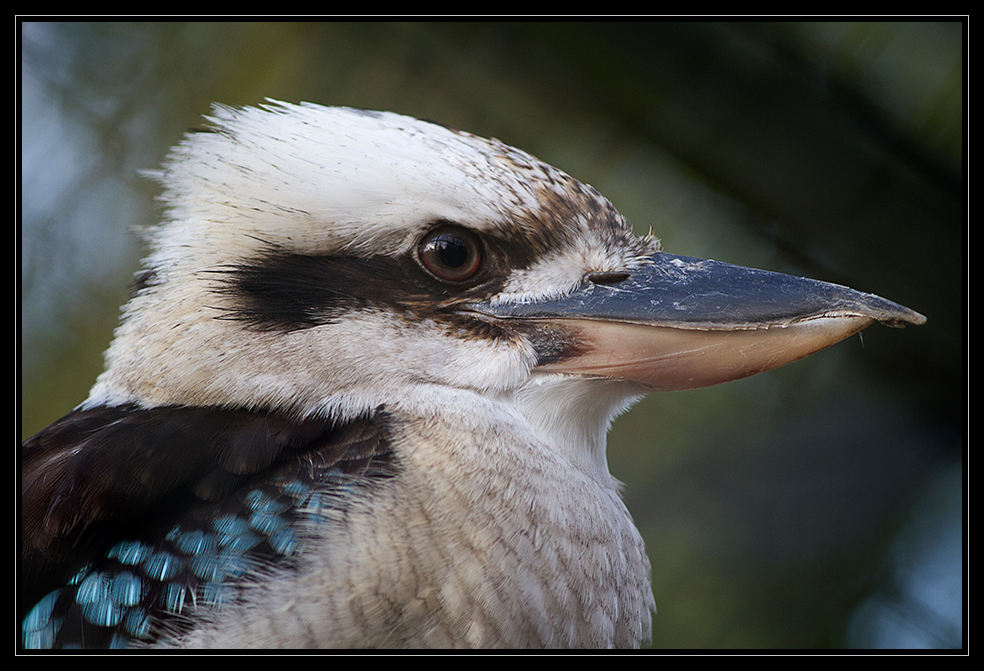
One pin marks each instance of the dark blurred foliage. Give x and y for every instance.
(820, 505)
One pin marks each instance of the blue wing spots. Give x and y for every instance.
(233, 532)
(208, 568)
(41, 613)
(190, 566)
(104, 613)
(195, 542)
(39, 627)
(94, 588)
(126, 589)
(136, 624)
(162, 566)
(173, 597)
(80, 575)
(130, 553)
(118, 642)
(243, 543)
(314, 502)
(263, 503)
(296, 489)
(284, 542)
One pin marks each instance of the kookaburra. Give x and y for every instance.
(360, 393)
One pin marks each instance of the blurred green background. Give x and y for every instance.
(816, 506)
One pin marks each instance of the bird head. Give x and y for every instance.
(330, 260)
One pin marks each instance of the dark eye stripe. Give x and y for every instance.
(287, 292)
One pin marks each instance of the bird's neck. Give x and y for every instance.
(528, 499)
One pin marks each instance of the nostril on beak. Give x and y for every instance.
(608, 277)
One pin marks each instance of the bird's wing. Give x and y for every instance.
(129, 515)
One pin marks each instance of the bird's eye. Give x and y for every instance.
(451, 253)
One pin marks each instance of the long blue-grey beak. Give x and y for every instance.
(679, 322)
